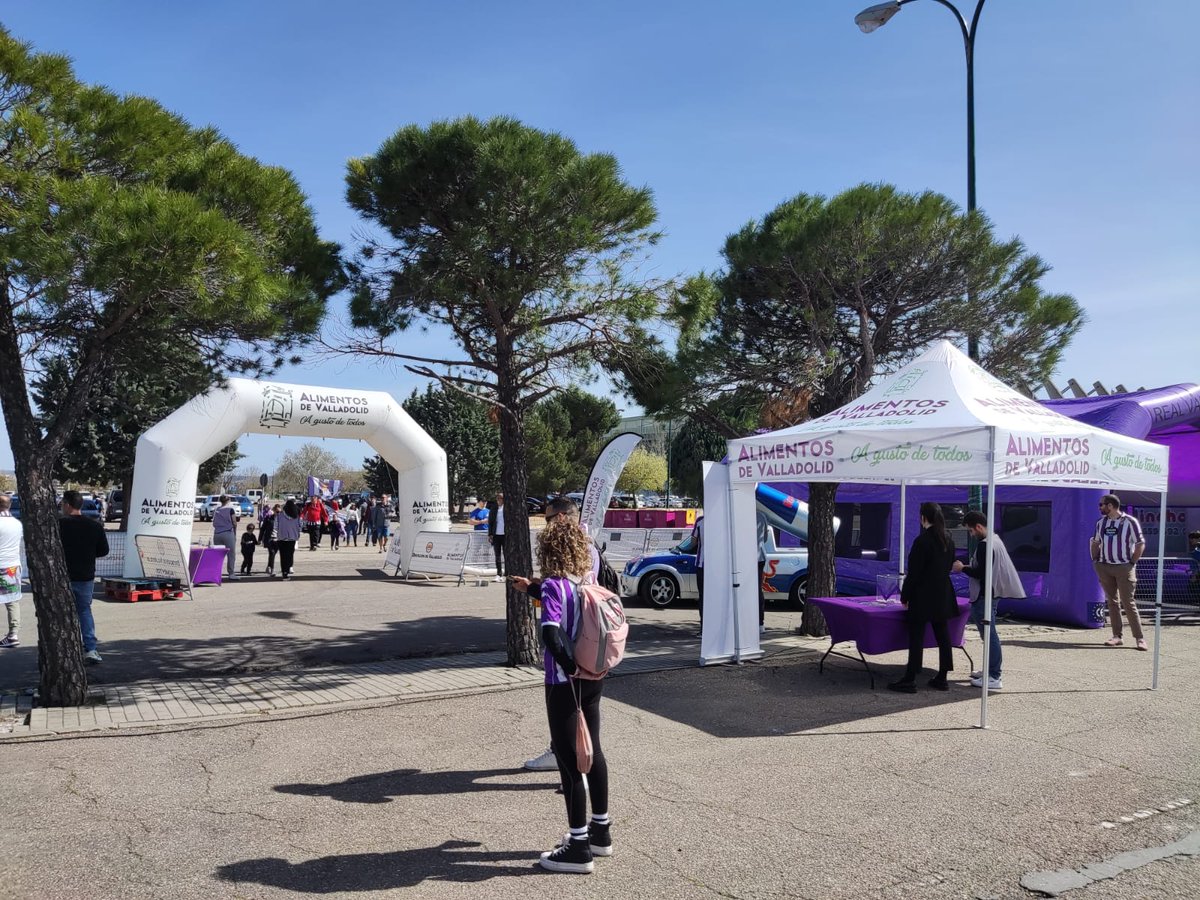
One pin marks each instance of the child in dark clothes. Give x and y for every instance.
(249, 542)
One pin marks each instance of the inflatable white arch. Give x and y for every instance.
(168, 458)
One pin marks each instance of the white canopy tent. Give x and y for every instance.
(941, 419)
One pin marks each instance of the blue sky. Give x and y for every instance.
(1086, 120)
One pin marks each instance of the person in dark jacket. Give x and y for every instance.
(84, 542)
(266, 535)
(929, 598)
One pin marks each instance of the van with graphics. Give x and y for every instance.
(662, 578)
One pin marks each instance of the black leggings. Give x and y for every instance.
(916, 648)
(560, 711)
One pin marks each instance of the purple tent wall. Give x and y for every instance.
(1068, 594)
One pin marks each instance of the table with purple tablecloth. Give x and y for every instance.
(879, 626)
(206, 564)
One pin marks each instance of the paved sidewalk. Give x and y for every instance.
(161, 703)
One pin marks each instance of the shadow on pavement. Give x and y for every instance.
(767, 700)
(166, 657)
(1054, 645)
(382, 787)
(449, 861)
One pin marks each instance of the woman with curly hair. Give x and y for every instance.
(565, 557)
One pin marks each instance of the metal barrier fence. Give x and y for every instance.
(113, 565)
(623, 544)
(1181, 581)
(660, 540)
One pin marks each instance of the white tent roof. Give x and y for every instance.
(933, 422)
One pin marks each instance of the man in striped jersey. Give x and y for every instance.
(1117, 545)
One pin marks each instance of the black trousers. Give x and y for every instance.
(314, 535)
(498, 549)
(247, 562)
(916, 647)
(287, 556)
(272, 549)
(560, 713)
(700, 589)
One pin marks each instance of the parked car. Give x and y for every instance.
(662, 578)
(206, 504)
(91, 509)
(535, 505)
(15, 507)
(116, 506)
(243, 503)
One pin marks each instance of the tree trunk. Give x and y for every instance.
(822, 572)
(126, 505)
(521, 626)
(63, 679)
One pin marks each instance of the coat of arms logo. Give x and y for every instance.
(905, 382)
(276, 407)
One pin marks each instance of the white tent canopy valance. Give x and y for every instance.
(933, 422)
(941, 419)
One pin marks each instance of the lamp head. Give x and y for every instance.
(876, 16)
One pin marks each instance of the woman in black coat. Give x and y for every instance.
(929, 598)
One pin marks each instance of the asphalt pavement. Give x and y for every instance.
(759, 781)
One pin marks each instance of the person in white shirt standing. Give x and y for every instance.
(1117, 545)
(10, 571)
(496, 535)
(224, 522)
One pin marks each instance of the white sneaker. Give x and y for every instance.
(977, 674)
(92, 657)
(547, 762)
(994, 684)
(498, 578)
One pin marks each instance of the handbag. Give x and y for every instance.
(583, 738)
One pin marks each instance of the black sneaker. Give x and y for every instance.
(903, 686)
(570, 856)
(600, 839)
(939, 684)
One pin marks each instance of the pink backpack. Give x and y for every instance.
(600, 640)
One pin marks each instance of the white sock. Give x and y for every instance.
(579, 834)
(601, 819)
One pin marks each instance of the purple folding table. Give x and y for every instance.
(206, 564)
(879, 626)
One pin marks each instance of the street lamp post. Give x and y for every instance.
(876, 17)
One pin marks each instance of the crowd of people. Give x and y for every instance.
(279, 526)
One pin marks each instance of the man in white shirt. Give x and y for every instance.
(10, 571)
(496, 535)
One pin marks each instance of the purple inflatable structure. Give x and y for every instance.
(1045, 530)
